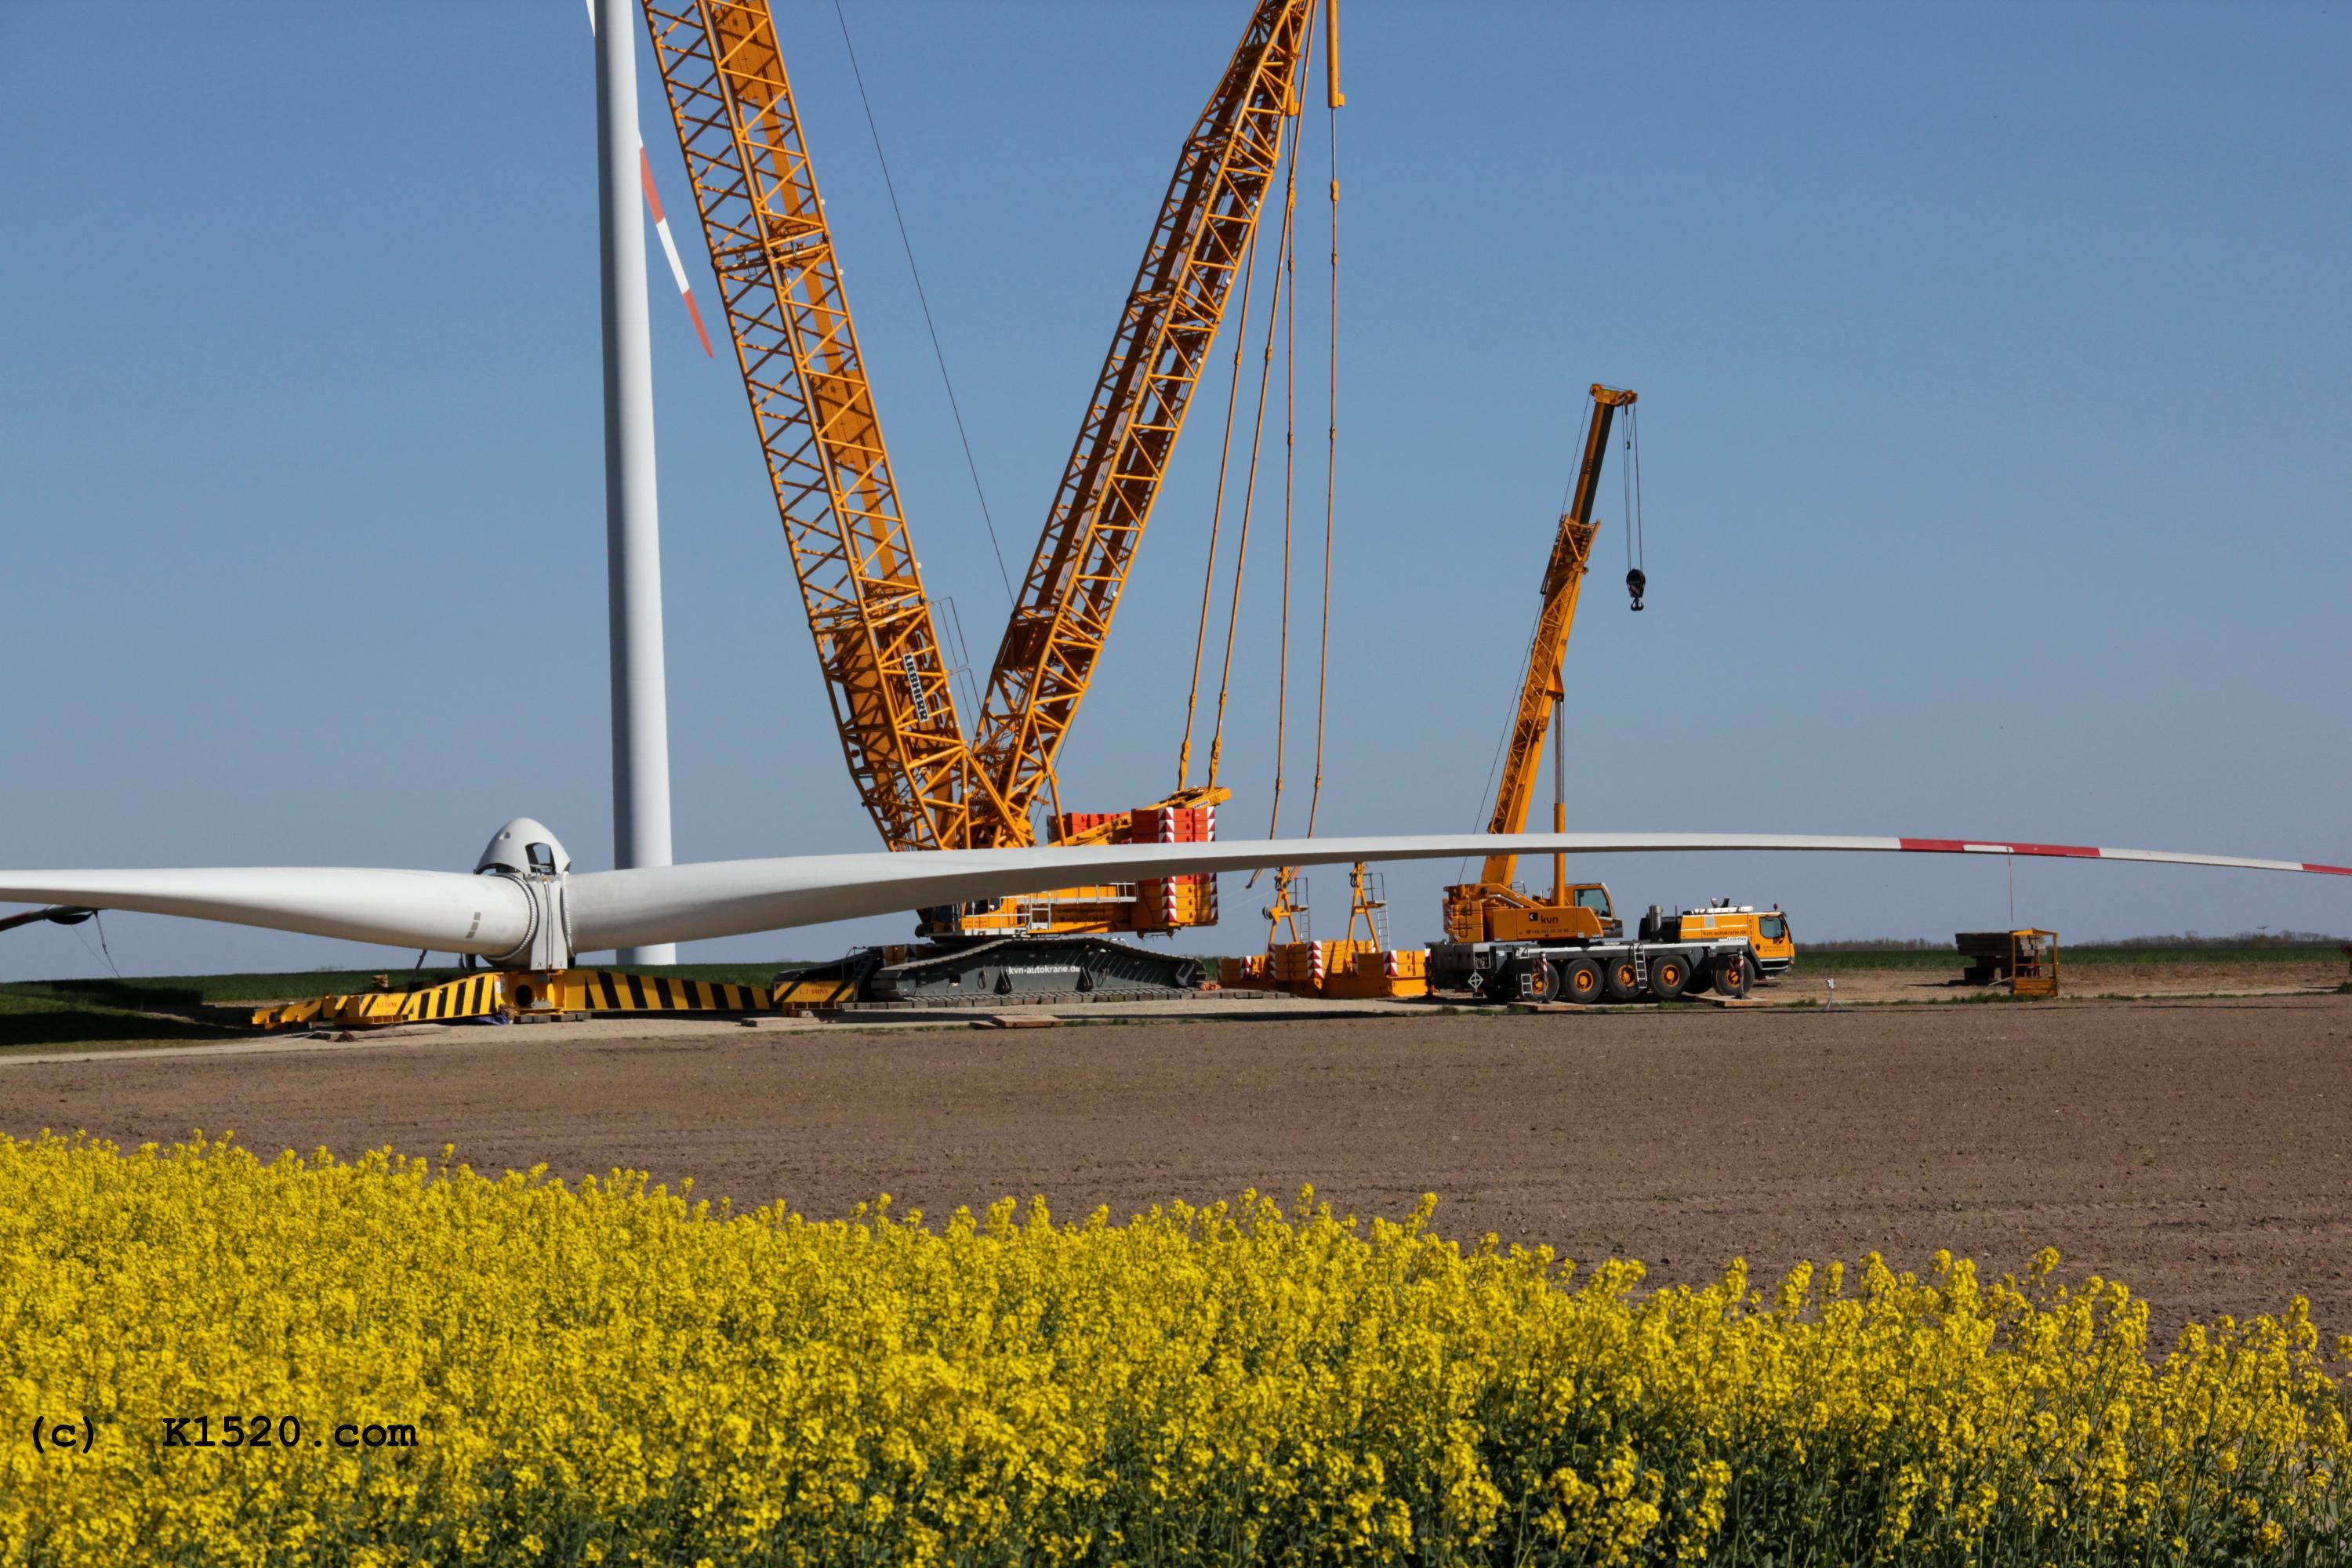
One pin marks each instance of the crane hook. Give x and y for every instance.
(1635, 581)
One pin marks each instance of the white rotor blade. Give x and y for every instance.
(730, 898)
(449, 912)
(446, 911)
(661, 224)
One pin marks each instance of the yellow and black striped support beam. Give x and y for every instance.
(474, 996)
(611, 991)
(520, 993)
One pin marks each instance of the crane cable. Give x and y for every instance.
(1249, 499)
(925, 300)
(1290, 294)
(1629, 487)
(1510, 716)
(1330, 465)
(1217, 511)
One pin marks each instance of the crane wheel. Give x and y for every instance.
(1622, 981)
(1524, 980)
(1670, 976)
(1731, 977)
(1580, 981)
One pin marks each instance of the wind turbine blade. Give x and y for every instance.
(445, 911)
(448, 911)
(661, 224)
(731, 897)
(669, 245)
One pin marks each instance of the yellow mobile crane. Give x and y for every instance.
(1505, 944)
(878, 645)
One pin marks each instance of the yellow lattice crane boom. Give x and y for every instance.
(885, 669)
(877, 640)
(1200, 242)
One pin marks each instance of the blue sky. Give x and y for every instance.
(1994, 373)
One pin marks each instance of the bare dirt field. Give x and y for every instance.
(2104, 976)
(2198, 1150)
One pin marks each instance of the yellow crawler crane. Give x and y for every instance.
(876, 637)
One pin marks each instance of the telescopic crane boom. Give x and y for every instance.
(1540, 688)
(1563, 579)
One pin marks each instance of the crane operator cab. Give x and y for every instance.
(1485, 913)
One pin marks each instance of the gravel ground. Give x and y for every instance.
(2196, 1149)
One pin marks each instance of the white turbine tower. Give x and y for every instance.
(632, 516)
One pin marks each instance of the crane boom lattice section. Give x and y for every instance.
(885, 669)
(1199, 242)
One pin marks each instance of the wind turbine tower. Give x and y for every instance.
(632, 516)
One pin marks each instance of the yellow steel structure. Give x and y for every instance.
(1540, 690)
(1198, 245)
(877, 641)
(876, 637)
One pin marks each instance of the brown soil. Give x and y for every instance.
(2194, 1148)
(2102, 978)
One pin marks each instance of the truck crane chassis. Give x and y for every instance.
(1608, 969)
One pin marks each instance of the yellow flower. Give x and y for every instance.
(611, 1371)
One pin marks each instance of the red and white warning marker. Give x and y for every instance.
(661, 224)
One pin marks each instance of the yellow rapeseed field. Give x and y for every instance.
(447, 1367)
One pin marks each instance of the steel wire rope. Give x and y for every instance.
(1634, 445)
(1217, 511)
(1249, 504)
(938, 353)
(1330, 467)
(97, 918)
(1625, 491)
(1288, 297)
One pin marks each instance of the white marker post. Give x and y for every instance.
(631, 515)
